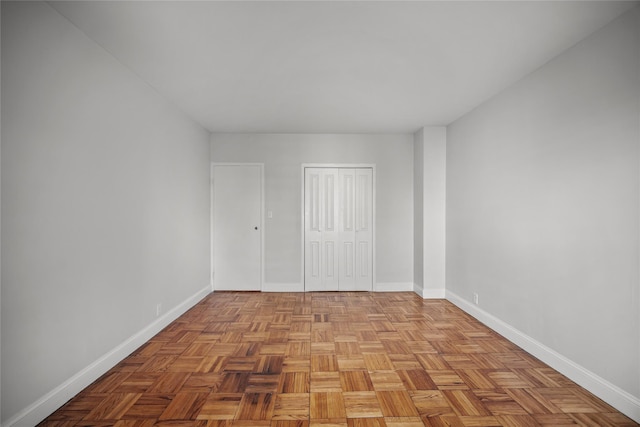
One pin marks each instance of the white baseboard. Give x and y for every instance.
(379, 287)
(418, 289)
(57, 397)
(433, 293)
(610, 393)
(429, 293)
(393, 287)
(282, 287)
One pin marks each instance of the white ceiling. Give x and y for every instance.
(334, 67)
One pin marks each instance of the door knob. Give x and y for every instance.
(255, 228)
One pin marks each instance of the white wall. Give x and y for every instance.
(418, 211)
(542, 205)
(105, 205)
(283, 156)
(0, 231)
(429, 211)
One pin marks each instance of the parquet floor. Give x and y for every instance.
(331, 360)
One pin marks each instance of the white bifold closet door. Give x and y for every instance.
(338, 216)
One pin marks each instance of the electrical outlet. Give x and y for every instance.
(158, 309)
(475, 298)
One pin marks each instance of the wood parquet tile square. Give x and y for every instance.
(327, 405)
(325, 382)
(184, 406)
(220, 406)
(355, 381)
(294, 382)
(351, 363)
(386, 380)
(362, 404)
(149, 406)
(292, 406)
(331, 360)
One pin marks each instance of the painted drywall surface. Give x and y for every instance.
(105, 203)
(429, 210)
(434, 200)
(418, 209)
(637, 13)
(542, 204)
(283, 156)
(0, 234)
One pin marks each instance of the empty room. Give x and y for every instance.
(320, 213)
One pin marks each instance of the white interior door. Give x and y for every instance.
(321, 229)
(338, 241)
(237, 227)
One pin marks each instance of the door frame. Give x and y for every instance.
(212, 222)
(371, 166)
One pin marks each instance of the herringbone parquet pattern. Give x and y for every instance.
(331, 359)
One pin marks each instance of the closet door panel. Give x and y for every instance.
(363, 229)
(347, 229)
(312, 230)
(330, 220)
